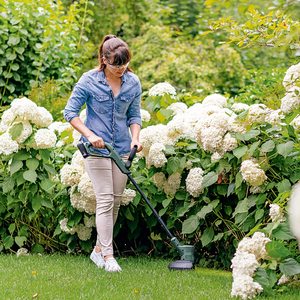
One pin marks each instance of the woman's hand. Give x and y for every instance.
(96, 141)
(139, 145)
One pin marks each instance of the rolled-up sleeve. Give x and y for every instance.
(77, 99)
(134, 110)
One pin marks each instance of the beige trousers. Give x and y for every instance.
(108, 184)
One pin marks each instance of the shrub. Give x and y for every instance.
(38, 44)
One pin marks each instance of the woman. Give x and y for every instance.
(112, 94)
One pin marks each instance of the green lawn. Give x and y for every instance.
(75, 277)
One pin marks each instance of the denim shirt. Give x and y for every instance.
(107, 116)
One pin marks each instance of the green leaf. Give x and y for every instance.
(207, 209)
(37, 248)
(238, 180)
(284, 186)
(285, 149)
(15, 166)
(259, 214)
(267, 146)
(8, 185)
(253, 147)
(11, 228)
(190, 224)
(30, 175)
(47, 185)
(32, 163)
(207, 236)
(36, 203)
(290, 267)
(8, 242)
(128, 214)
(277, 250)
(173, 165)
(47, 203)
(240, 152)
(282, 232)
(13, 40)
(20, 240)
(166, 202)
(266, 279)
(21, 155)
(248, 135)
(209, 179)
(16, 130)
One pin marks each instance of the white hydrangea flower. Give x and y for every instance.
(244, 263)
(294, 211)
(64, 226)
(84, 233)
(296, 123)
(215, 99)
(177, 128)
(24, 109)
(151, 135)
(229, 143)
(76, 137)
(245, 287)
(159, 179)
(77, 159)
(127, 196)
(178, 108)
(291, 77)
(81, 202)
(172, 184)
(89, 221)
(7, 119)
(291, 100)
(162, 88)
(22, 252)
(210, 138)
(257, 113)
(216, 157)
(145, 115)
(85, 187)
(283, 279)
(274, 117)
(82, 115)
(255, 245)
(156, 156)
(276, 213)
(194, 182)
(25, 134)
(252, 173)
(7, 144)
(239, 107)
(42, 118)
(44, 139)
(60, 127)
(70, 174)
(255, 189)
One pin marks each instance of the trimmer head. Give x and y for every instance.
(182, 265)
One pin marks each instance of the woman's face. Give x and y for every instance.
(115, 70)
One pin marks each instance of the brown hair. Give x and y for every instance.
(115, 50)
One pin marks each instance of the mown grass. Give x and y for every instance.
(75, 277)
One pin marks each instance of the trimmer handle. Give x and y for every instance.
(131, 156)
(86, 150)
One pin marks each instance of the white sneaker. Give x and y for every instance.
(111, 265)
(97, 258)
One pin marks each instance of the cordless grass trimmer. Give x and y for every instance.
(185, 251)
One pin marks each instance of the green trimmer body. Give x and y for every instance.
(186, 252)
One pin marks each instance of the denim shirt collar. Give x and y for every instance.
(102, 78)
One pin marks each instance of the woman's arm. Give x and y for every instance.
(95, 140)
